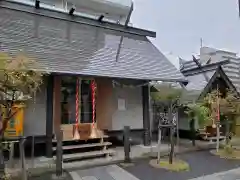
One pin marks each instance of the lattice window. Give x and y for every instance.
(77, 101)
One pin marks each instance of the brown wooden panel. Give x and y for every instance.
(57, 103)
(85, 131)
(104, 105)
(67, 131)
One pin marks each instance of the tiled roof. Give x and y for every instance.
(196, 85)
(187, 65)
(230, 68)
(69, 47)
(233, 72)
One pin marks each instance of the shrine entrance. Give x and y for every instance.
(77, 107)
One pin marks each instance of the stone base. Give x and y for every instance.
(54, 177)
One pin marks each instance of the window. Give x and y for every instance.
(68, 103)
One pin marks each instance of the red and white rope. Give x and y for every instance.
(77, 103)
(93, 89)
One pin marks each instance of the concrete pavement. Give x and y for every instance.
(202, 164)
(233, 174)
(111, 172)
(114, 172)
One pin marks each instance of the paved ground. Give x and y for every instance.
(204, 166)
(44, 176)
(43, 162)
(201, 163)
(111, 172)
(233, 174)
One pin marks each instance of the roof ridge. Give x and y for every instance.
(56, 14)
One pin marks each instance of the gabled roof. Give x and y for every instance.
(191, 66)
(187, 65)
(229, 66)
(196, 84)
(70, 47)
(200, 84)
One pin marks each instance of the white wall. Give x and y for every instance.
(35, 115)
(133, 115)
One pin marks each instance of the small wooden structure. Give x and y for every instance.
(95, 82)
(203, 78)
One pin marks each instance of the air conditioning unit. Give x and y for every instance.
(113, 10)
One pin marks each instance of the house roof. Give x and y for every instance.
(230, 67)
(200, 83)
(190, 66)
(187, 65)
(197, 83)
(76, 48)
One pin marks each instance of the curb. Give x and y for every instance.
(163, 154)
(40, 170)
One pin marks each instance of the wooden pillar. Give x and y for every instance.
(49, 116)
(57, 104)
(146, 115)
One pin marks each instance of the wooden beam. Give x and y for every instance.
(57, 103)
(146, 115)
(49, 116)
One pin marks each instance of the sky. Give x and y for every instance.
(180, 25)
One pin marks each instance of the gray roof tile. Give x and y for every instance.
(68, 47)
(231, 69)
(187, 65)
(197, 83)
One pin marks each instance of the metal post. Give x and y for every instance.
(22, 158)
(126, 135)
(170, 118)
(32, 152)
(172, 145)
(218, 136)
(59, 169)
(193, 131)
(11, 154)
(159, 144)
(2, 164)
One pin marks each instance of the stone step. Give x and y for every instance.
(90, 154)
(215, 138)
(69, 140)
(81, 146)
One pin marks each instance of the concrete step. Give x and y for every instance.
(80, 156)
(215, 138)
(81, 146)
(69, 140)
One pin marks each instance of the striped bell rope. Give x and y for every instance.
(93, 89)
(77, 104)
